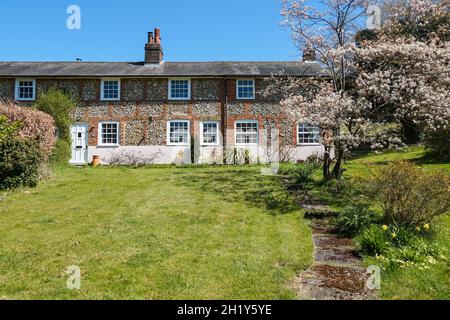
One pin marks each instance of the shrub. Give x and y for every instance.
(19, 163)
(354, 219)
(35, 125)
(57, 104)
(408, 195)
(7, 128)
(300, 172)
(61, 152)
(436, 143)
(373, 241)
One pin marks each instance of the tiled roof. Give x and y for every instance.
(166, 69)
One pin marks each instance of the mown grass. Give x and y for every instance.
(153, 233)
(407, 283)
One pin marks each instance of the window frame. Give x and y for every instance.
(102, 89)
(254, 89)
(100, 134)
(188, 143)
(307, 143)
(202, 141)
(236, 133)
(169, 88)
(16, 89)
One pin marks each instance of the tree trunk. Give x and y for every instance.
(337, 170)
(326, 163)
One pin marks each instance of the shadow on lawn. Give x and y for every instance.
(241, 185)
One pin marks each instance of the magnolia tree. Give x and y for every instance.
(388, 79)
(406, 80)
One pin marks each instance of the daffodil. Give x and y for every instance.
(418, 229)
(394, 235)
(385, 227)
(426, 226)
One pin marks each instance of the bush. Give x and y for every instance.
(59, 106)
(408, 195)
(354, 219)
(300, 172)
(35, 125)
(373, 241)
(7, 128)
(19, 163)
(436, 143)
(61, 152)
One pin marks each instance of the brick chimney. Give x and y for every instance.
(153, 50)
(309, 54)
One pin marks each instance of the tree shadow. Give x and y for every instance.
(241, 185)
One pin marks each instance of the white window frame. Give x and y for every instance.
(100, 140)
(16, 91)
(236, 133)
(188, 143)
(306, 143)
(237, 89)
(102, 87)
(169, 86)
(202, 141)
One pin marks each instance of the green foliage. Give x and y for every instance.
(437, 143)
(354, 219)
(408, 195)
(373, 241)
(19, 163)
(57, 104)
(7, 129)
(299, 172)
(61, 152)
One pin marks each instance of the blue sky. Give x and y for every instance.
(113, 30)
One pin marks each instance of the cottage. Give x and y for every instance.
(169, 111)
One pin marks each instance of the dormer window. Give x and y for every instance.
(110, 90)
(25, 90)
(245, 89)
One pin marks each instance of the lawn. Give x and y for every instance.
(153, 233)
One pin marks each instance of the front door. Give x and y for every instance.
(79, 143)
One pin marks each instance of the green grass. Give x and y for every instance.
(153, 233)
(408, 283)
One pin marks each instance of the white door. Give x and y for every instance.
(79, 143)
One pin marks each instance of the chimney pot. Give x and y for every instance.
(150, 37)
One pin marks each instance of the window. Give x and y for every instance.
(210, 133)
(178, 133)
(245, 89)
(108, 134)
(247, 132)
(110, 89)
(180, 89)
(25, 89)
(308, 134)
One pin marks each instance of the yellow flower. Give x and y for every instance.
(418, 229)
(426, 226)
(385, 227)
(394, 235)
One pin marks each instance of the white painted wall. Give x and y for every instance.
(205, 155)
